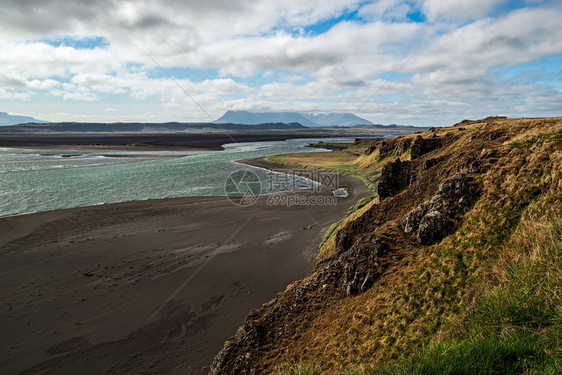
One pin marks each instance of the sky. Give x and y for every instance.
(415, 62)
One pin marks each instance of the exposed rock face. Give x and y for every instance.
(417, 148)
(422, 146)
(428, 163)
(360, 265)
(402, 147)
(491, 136)
(385, 149)
(351, 272)
(436, 219)
(370, 150)
(436, 192)
(433, 227)
(395, 176)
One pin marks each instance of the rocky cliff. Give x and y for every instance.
(414, 261)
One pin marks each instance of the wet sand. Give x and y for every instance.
(150, 286)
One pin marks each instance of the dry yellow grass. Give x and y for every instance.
(426, 293)
(328, 247)
(346, 161)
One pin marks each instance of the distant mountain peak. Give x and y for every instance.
(303, 118)
(7, 119)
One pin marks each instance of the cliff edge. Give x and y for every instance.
(457, 211)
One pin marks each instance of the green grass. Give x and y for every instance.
(528, 143)
(487, 300)
(362, 203)
(301, 368)
(330, 232)
(342, 162)
(514, 354)
(516, 328)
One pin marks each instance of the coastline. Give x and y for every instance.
(147, 141)
(165, 280)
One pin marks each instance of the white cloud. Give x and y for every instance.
(452, 60)
(458, 9)
(522, 35)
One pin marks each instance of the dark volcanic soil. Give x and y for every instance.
(147, 287)
(209, 141)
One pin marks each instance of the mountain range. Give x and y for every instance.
(96, 127)
(306, 119)
(7, 119)
(233, 120)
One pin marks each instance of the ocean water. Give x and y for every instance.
(32, 180)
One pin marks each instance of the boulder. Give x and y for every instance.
(431, 162)
(417, 148)
(412, 221)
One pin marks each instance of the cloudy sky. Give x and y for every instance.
(432, 62)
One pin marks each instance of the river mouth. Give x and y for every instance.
(44, 180)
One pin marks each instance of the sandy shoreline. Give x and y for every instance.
(150, 286)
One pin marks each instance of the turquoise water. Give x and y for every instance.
(32, 181)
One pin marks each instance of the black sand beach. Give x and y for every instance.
(149, 286)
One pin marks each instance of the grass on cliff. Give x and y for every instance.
(485, 300)
(350, 161)
(328, 245)
(340, 161)
(516, 327)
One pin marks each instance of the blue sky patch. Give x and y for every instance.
(77, 42)
(325, 25)
(416, 15)
(508, 6)
(546, 71)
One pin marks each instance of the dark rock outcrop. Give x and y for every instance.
(395, 176)
(422, 146)
(417, 148)
(433, 227)
(437, 218)
(402, 147)
(428, 163)
(385, 149)
(492, 136)
(360, 265)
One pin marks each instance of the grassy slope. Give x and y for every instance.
(344, 161)
(351, 161)
(486, 299)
